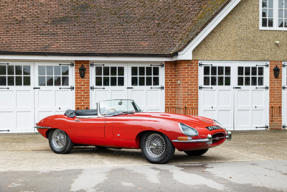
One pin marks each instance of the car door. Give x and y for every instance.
(92, 127)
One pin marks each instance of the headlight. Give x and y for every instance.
(187, 130)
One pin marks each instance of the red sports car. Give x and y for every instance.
(120, 123)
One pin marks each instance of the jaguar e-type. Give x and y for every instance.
(120, 123)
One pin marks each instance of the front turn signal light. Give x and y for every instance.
(182, 138)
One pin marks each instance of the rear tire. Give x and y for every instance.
(157, 148)
(60, 142)
(196, 152)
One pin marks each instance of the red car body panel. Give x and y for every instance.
(124, 131)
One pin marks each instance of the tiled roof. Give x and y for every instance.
(151, 27)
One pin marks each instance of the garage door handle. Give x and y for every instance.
(129, 87)
(92, 88)
(161, 87)
(284, 87)
(36, 88)
(266, 87)
(4, 87)
(71, 88)
(200, 87)
(236, 87)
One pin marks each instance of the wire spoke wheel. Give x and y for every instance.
(155, 145)
(59, 139)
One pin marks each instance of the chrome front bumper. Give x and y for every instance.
(208, 139)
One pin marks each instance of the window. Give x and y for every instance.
(273, 14)
(15, 75)
(216, 76)
(110, 76)
(145, 76)
(53, 76)
(250, 76)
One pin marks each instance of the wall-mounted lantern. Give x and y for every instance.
(276, 71)
(82, 71)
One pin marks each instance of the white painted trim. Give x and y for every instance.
(86, 58)
(186, 54)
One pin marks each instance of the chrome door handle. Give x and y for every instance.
(4, 87)
(236, 87)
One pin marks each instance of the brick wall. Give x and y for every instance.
(82, 86)
(185, 93)
(275, 97)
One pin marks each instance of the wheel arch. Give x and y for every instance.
(139, 136)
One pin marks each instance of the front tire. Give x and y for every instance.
(156, 147)
(60, 142)
(196, 152)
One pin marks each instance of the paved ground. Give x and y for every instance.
(252, 161)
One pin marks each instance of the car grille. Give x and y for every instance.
(218, 137)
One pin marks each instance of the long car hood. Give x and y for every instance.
(193, 121)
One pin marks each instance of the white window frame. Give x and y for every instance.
(275, 17)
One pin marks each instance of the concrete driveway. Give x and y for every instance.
(23, 152)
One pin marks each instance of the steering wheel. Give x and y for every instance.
(108, 110)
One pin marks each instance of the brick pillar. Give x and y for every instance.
(275, 97)
(82, 86)
(171, 84)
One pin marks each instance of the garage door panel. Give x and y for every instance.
(224, 98)
(63, 98)
(24, 119)
(45, 98)
(243, 118)
(242, 98)
(43, 114)
(225, 118)
(7, 120)
(209, 114)
(23, 99)
(257, 117)
(138, 96)
(258, 97)
(7, 99)
(118, 94)
(209, 97)
(153, 98)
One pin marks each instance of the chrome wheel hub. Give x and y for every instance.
(155, 145)
(59, 139)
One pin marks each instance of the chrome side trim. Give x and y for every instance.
(41, 127)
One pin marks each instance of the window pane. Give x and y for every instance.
(11, 81)
(99, 81)
(264, 13)
(148, 81)
(106, 81)
(106, 71)
(270, 3)
(285, 13)
(49, 70)
(285, 23)
(254, 81)
(220, 70)
(264, 22)
(65, 70)
(18, 70)
(57, 70)
(121, 71)
(270, 12)
(19, 80)
(206, 70)
(41, 70)
(27, 81)
(247, 80)
(155, 81)
(121, 81)
(134, 71)
(247, 70)
(98, 70)
(213, 70)
(280, 13)
(141, 70)
(280, 4)
(3, 81)
(264, 3)
(57, 81)
(26, 70)
(10, 70)
(220, 80)
(280, 23)
(2, 70)
(270, 22)
(260, 70)
(134, 81)
(254, 70)
(49, 80)
(285, 4)
(260, 81)
(42, 81)
(141, 81)
(227, 81)
(113, 81)
(65, 81)
(227, 70)
(155, 70)
(113, 71)
(240, 70)
(206, 81)
(213, 80)
(240, 81)
(148, 70)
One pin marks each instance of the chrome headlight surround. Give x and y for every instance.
(187, 130)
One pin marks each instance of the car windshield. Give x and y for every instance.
(118, 107)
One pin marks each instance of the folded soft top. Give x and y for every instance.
(86, 112)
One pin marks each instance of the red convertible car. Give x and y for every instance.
(120, 123)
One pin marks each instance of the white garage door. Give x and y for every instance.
(140, 82)
(284, 95)
(236, 94)
(31, 91)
